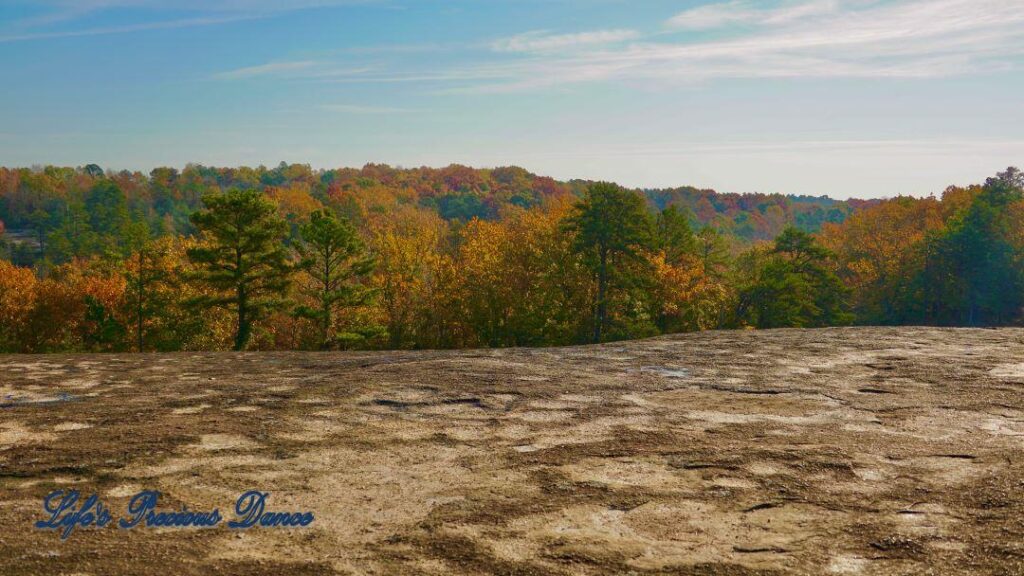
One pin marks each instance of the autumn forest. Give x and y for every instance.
(290, 257)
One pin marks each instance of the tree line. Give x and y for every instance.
(261, 267)
(59, 203)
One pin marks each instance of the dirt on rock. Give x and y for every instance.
(838, 451)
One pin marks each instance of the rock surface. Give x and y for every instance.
(839, 451)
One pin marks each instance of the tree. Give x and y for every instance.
(1012, 180)
(107, 207)
(674, 236)
(684, 296)
(243, 259)
(153, 281)
(17, 301)
(684, 293)
(76, 308)
(612, 228)
(407, 243)
(792, 285)
(878, 255)
(520, 283)
(337, 263)
(73, 236)
(41, 223)
(973, 272)
(713, 252)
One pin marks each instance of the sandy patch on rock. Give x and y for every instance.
(847, 564)
(1009, 371)
(544, 415)
(225, 442)
(70, 426)
(626, 472)
(190, 409)
(16, 433)
(124, 490)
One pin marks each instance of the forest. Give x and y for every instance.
(388, 258)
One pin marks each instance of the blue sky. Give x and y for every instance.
(861, 98)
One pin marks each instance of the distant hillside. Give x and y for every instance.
(756, 216)
(33, 199)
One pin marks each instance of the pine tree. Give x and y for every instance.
(793, 285)
(612, 228)
(243, 260)
(972, 274)
(152, 283)
(674, 235)
(336, 261)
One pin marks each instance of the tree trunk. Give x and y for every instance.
(138, 311)
(244, 325)
(325, 303)
(326, 319)
(602, 287)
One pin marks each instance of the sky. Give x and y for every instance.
(846, 98)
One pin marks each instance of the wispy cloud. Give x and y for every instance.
(61, 11)
(244, 5)
(856, 38)
(100, 31)
(541, 41)
(900, 146)
(712, 16)
(222, 6)
(780, 39)
(400, 49)
(202, 12)
(268, 69)
(364, 110)
(790, 39)
(297, 69)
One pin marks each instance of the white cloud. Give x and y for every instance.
(789, 39)
(248, 5)
(810, 39)
(102, 31)
(485, 72)
(910, 146)
(268, 69)
(541, 41)
(298, 69)
(83, 6)
(364, 110)
(904, 39)
(203, 12)
(712, 16)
